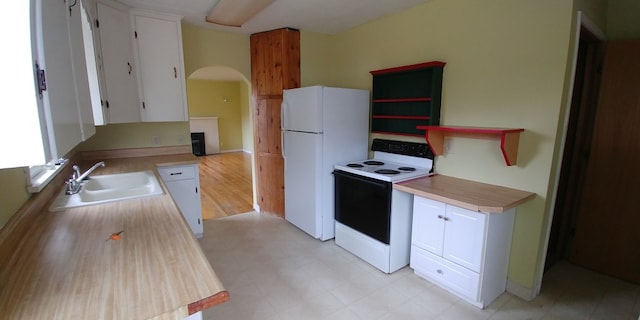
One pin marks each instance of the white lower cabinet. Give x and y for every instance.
(183, 183)
(463, 251)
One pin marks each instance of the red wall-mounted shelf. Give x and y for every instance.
(509, 138)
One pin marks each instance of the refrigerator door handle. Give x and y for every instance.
(282, 144)
(283, 113)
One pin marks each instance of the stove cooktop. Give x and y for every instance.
(383, 170)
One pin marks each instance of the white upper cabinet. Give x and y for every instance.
(66, 100)
(79, 69)
(120, 97)
(158, 48)
(55, 57)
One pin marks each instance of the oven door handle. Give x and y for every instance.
(381, 185)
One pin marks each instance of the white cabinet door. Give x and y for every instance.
(80, 74)
(55, 57)
(464, 251)
(464, 237)
(160, 66)
(428, 224)
(121, 103)
(184, 186)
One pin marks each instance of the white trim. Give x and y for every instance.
(231, 150)
(584, 21)
(523, 292)
(581, 21)
(45, 173)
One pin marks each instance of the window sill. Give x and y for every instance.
(37, 183)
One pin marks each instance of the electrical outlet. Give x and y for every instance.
(155, 140)
(448, 146)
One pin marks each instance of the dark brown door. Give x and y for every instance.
(607, 232)
(584, 104)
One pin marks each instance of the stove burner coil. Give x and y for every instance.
(354, 165)
(407, 169)
(373, 163)
(387, 171)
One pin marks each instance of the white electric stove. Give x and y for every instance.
(373, 221)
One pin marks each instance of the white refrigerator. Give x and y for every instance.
(321, 126)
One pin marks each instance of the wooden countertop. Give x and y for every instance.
(65, 267)
(471, 195)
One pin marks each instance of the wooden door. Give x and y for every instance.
(607, 235)
(275, 66)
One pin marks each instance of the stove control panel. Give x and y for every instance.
(405, 148)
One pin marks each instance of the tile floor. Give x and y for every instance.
(273, 271)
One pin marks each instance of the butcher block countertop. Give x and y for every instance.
(64, 265)
(471, 195)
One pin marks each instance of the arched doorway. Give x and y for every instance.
(222, 94)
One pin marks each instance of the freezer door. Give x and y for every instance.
(302, 183)
(302, 109)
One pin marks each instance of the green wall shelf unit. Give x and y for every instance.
(406, 97)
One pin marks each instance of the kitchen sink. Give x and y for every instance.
(110, 188)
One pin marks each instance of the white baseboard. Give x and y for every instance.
(231, 150)
(521, 291)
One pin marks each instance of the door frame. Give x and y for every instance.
(582, 21)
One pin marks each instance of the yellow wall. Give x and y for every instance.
(14, 193)
(318, 55)
(138, 135)
(505, 68)
(245, 114)
(218, 99)
(205, 47)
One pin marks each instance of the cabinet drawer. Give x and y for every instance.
(177, 172)
(454, 277)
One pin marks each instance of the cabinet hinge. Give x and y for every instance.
(41, 79)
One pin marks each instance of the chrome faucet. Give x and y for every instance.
(75, 182)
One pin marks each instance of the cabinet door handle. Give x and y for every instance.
(440, 216)
(446, 219)
(439, 271)
(175, 72)
(130, 67)
(175, 173)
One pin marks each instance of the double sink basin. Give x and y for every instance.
(110, 188)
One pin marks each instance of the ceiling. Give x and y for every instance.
(322, 16)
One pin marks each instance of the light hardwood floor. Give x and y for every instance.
(225, 184)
